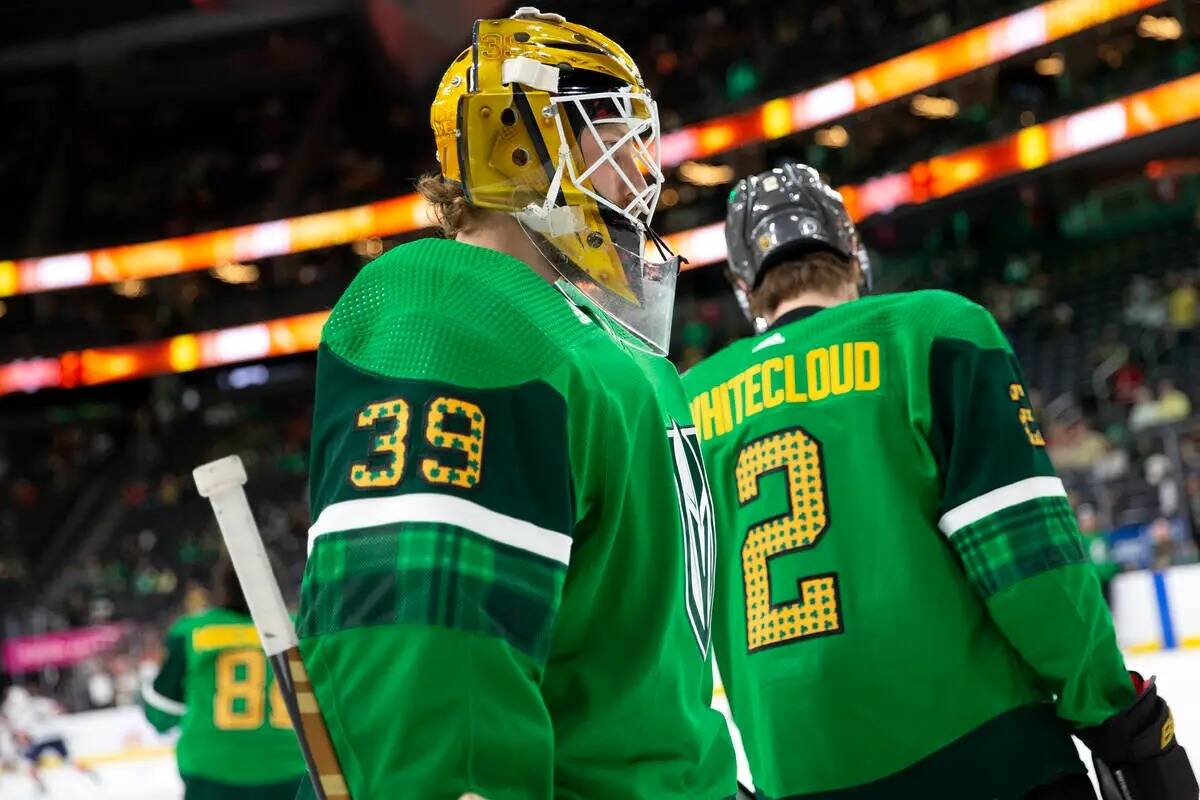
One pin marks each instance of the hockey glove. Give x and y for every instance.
(1136, 754)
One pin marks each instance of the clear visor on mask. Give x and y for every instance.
(645, 305)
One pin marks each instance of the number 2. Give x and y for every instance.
(815, 611)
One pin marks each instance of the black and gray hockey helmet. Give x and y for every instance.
(784, 213)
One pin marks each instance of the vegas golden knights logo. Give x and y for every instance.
(699, 532)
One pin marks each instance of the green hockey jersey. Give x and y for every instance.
(904, 606)
(216, 685)
(510, 578)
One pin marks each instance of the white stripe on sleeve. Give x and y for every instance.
(999, 499)
(369, 512)
(162, 703)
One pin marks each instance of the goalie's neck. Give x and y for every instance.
(498, 231)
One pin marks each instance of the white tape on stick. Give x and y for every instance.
(222, 482)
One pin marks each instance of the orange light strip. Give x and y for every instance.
(943, 60)
(183, 353)
(1030, 148)
(1036, 146)
(916, 70)
(203, 250)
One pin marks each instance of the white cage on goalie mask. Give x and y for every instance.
(637, 145)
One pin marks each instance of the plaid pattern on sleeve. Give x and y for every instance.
(1018, 542)
(430, 574)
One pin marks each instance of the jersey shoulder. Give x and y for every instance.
(716, 367)
(939, 314)
(184, 625)
(908, 318)
(187, 624)
(442, 310)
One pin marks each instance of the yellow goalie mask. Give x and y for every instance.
(551, 122)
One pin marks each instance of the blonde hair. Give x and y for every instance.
(450, 207)
(819, 271)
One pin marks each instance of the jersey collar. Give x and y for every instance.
(795, 315)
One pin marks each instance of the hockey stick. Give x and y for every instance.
(221, 482)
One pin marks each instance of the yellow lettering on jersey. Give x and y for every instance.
(697, 418)
(771, 396)
(832, 371)
(817, 362)
(793, 396)
(841, 367)
(219, 637)
(706, 414)
(724, 412)
(735, 387)
(866, 366)
(1016, 393)
(1031, 429)
(714, 412)
(753, 388)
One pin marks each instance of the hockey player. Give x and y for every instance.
(236, 740)
(34, 719)
(509, 589)
(904, 605)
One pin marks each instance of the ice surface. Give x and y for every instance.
(152, 778)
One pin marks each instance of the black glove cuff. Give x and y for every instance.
(1142, 731)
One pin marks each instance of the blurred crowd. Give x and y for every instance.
(154, 558)
(284, 121)
(293, 119)
(303, 118)
(41, 472)
(717, 57)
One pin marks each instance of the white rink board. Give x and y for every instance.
(151, 778)
(154, 777)
(1144, 603)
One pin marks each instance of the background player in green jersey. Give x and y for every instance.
(904, 605)
(509, 584)
(236, 741)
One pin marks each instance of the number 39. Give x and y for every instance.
(451, 425)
